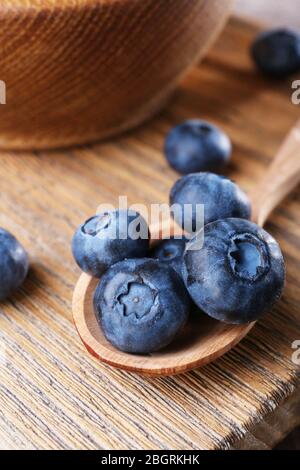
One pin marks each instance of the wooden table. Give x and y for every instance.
(53, 394)
(273, 12)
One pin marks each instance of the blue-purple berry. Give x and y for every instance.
(220, 197)
(141, 305)
(170, 252)
(197, 145)
(107, 238)
(14, 264)
(277, 52)
(238, 274)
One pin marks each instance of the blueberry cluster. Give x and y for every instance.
(144, 296)
(231, 269)
(141, 303)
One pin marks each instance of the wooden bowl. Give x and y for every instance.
(78, 71)
(202, 341)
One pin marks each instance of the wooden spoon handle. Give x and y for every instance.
(282, 177)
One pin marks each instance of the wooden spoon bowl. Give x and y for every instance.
(79, 71)
(204, 339)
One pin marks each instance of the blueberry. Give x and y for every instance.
(14, 264)
(141, 305)
(220, 196)
(108, 238)
(170, 252)
(197, 146)
(277, 52)
(238, 274)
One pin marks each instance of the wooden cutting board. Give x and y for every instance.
(53, 394)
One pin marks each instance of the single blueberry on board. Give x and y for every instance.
(141, 305)
(277, 52)
(170, 252)
(241, 272)
(220, 196)
(14, 264)
(195, 146)
(107, 238)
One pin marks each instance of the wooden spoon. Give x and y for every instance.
(204, 339)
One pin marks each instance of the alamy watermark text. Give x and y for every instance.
(296, 93)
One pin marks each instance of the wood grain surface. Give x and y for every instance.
(53, 394)
(272, 430)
